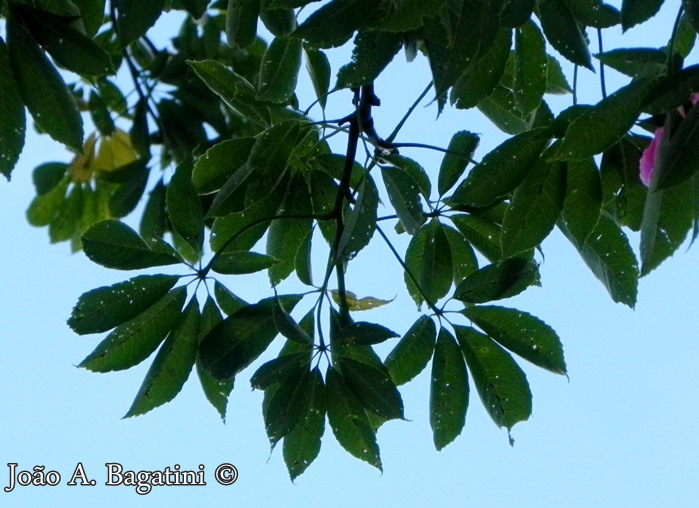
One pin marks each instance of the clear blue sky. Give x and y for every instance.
(620, 432)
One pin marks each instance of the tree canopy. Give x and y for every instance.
(237, 177)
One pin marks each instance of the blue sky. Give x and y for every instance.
(619, 432)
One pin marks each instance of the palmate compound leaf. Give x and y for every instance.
(172, 365)
(412, 353)
(132, 342)
(348, 420)
(12, 118)
(239, 339)
(449, 391)
(498, 280)
(104, 308)
(113, 244)
(521, 333)
(302, 445)
(215, 390)
(501, 383)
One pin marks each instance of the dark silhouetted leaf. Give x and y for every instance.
(583, 199)
(563, 32)
(135, 17)
(429, 260)
(104, 308)
(412, 353)
(530, 67)
(497, 281)
(521, 333)
(134, 341)
(373, 51)
(12, 120)
(461, 148)
(501, 384)
(373, 387)
(241, 262)
(279, 70)
(363, 333)
(634, 12)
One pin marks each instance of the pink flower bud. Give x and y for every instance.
(650, 155)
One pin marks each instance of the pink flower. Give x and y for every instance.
(650, 154)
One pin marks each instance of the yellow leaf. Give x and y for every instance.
(357, 304)
(81, 167)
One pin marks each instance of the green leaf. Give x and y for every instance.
(404, 195)
(556, 81)
(678, 158)
(47, 176)
(279, 21)
(463, 258)
(241, 231)
(239, 339)
(594, 13)
(334, 23)
(373, 51)
(501, 383)
(482, 233)
(91, 14)
(461, 148)
(373, 387)
(288, 404)
(460, 33)
(517, 12)
(361, 223)
(12, 120)
(355, 304)
(449, 391)
(280, 69)
(113, 244)
(132, 342)
(318, 69)
(474, 86)
(349, 421)
(64, 224)
(563, 32)
(500, 107)
(215, 390)
(412, 168)
(135, 17)
(172, 365)
(67, 46)
(154, 218)
(285, 236)
(583, 199)
(609, 256)
(604, 124)
(44, 207)
(242, 262)
(535, 206)
(184, 206)
(302, 444)
(100, 115)
(636, 62)
(363, 334)
(521, 333)
(672, 91)
(530, 67)
(43, 90)
(241, 22)
(219, 162)
(634, 12)
(104, 308)
(264, 169)
(667, 218)
(497, 281)
(234, 90)
(428, 259)
(502, 170)
(303, 262)
(229, 302)
(691, 10)
(288, 327)
(412, 353)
